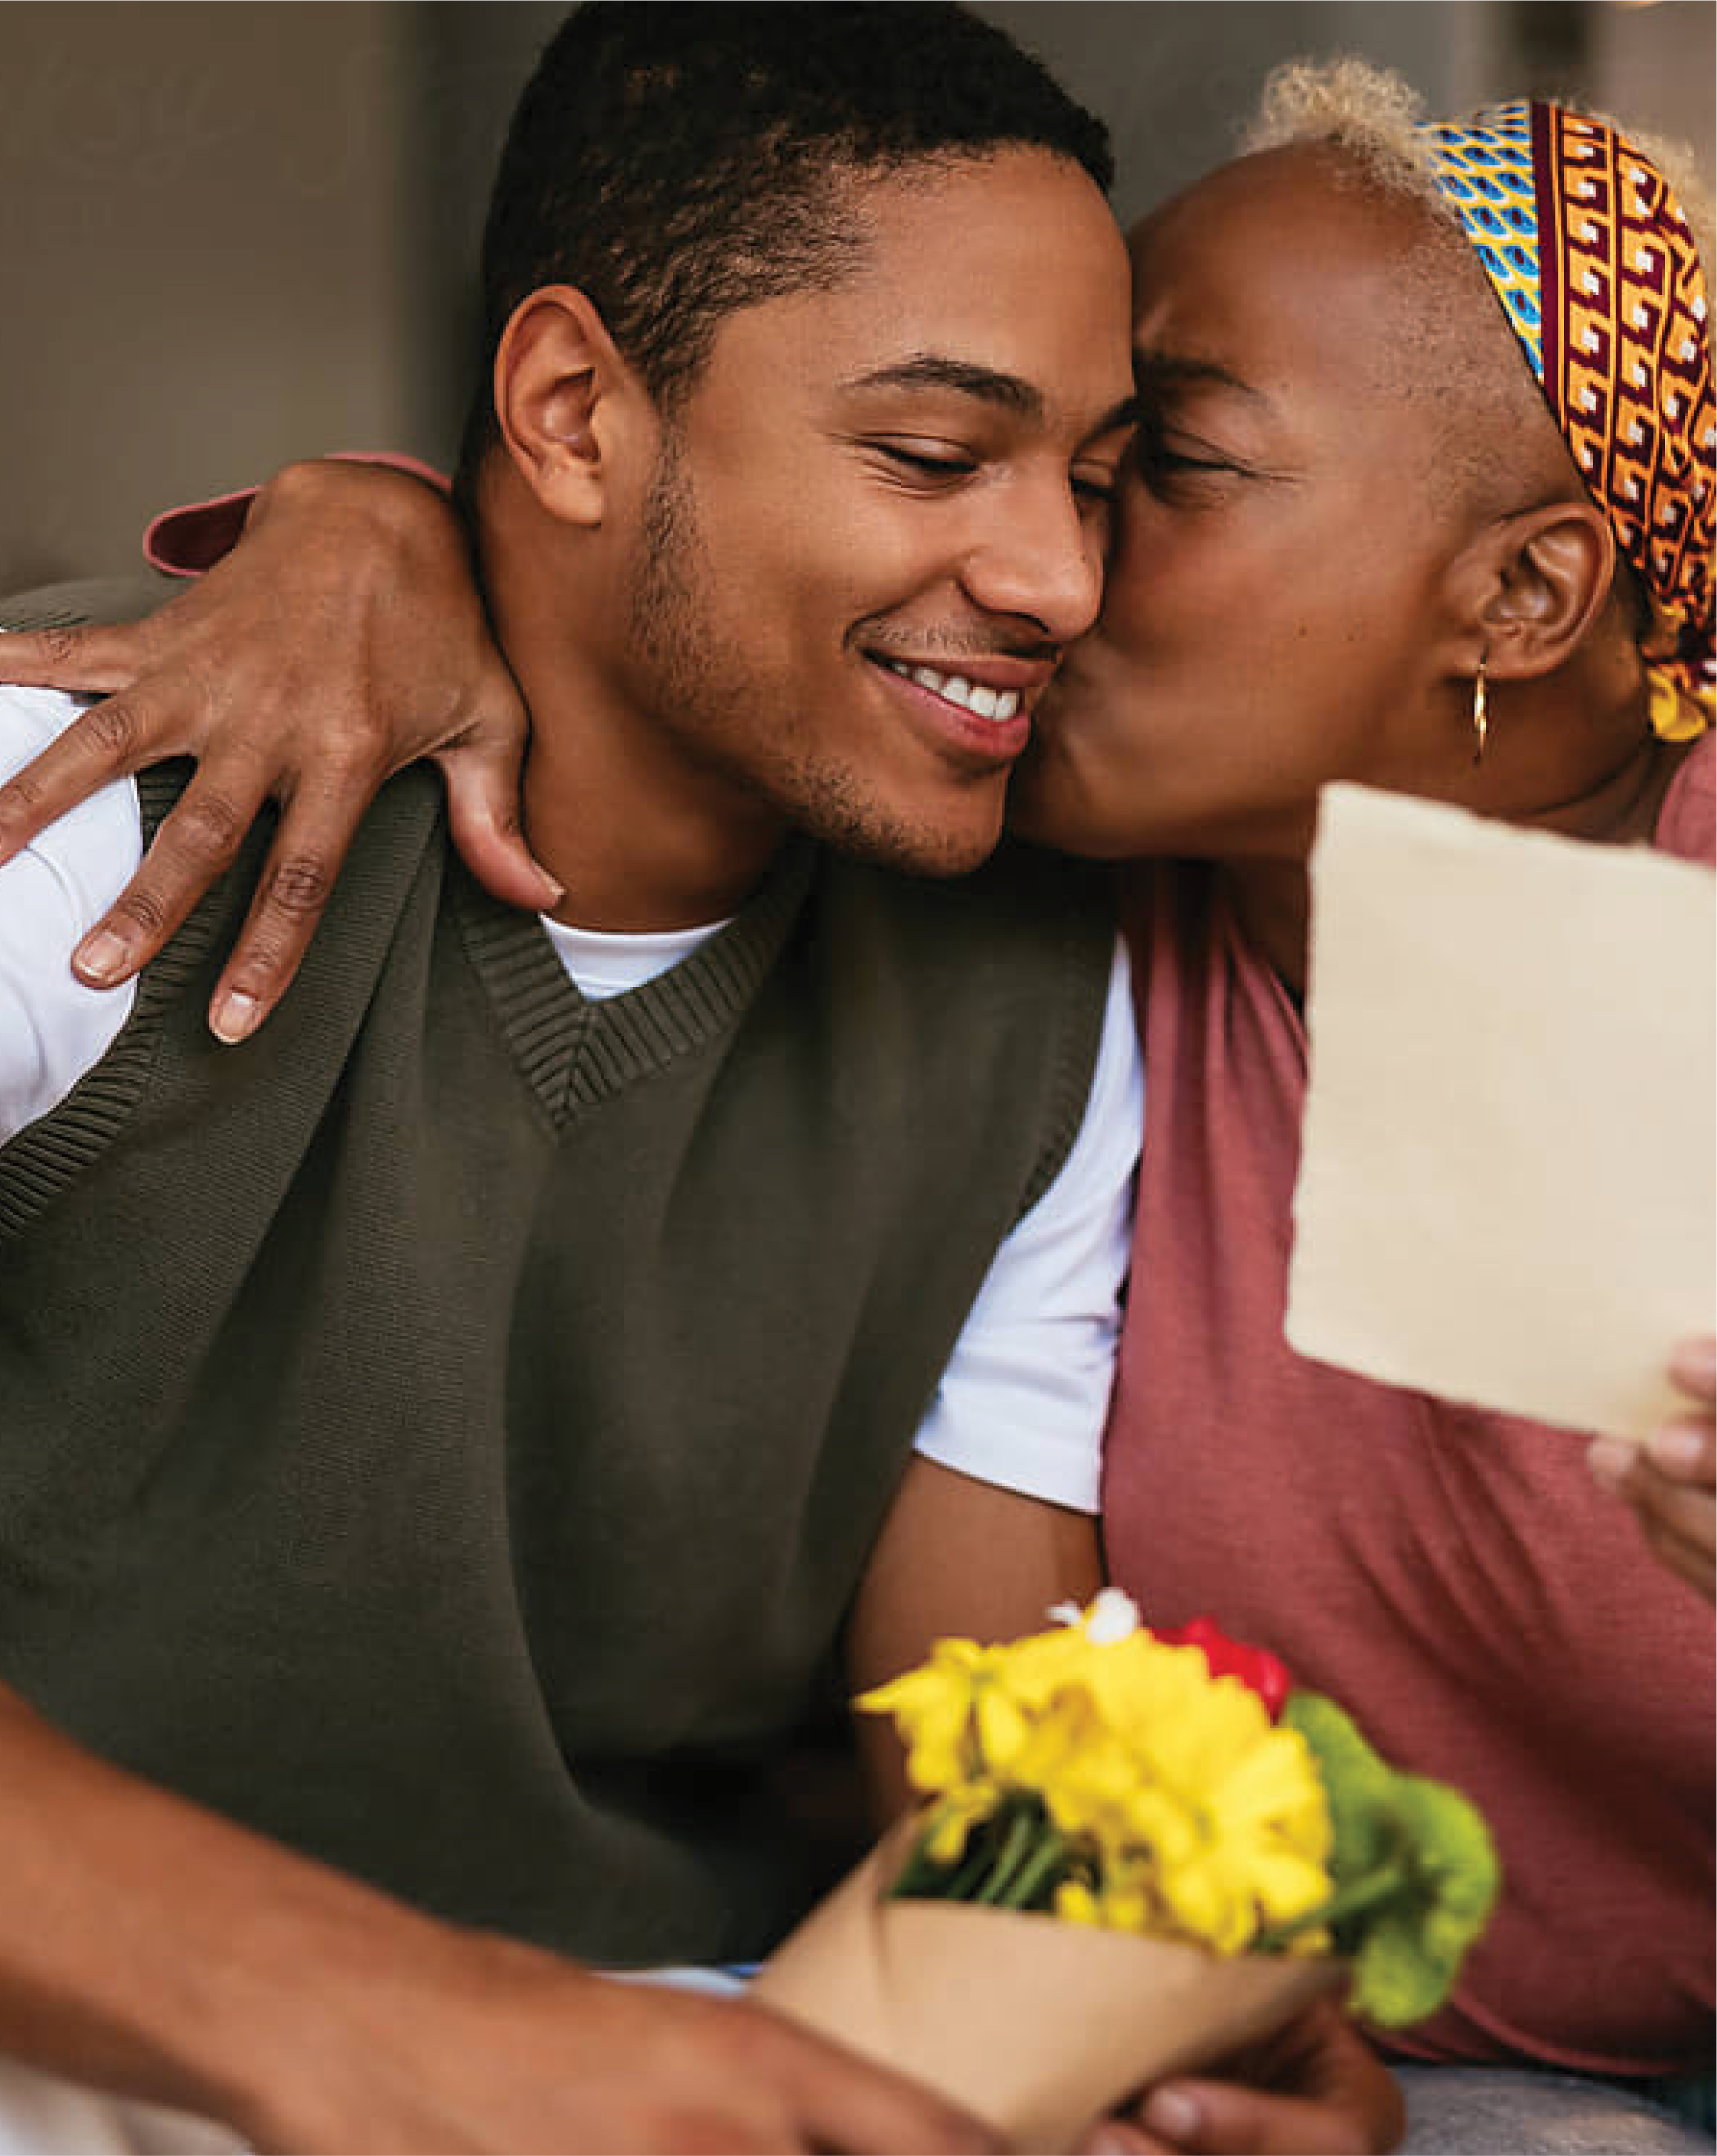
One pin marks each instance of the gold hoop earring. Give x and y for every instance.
(1481, 715)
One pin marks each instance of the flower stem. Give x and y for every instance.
(960, 1887)
(1046, 1859)
(1359, 1894)
(922, 1878)
(1015, 1851)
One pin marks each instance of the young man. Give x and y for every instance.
(575, 1349)
(446, 1438)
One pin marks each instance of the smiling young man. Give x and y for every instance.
(439, 1541)
(821, 584)
(414, 1571)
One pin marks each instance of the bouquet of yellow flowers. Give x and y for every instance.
(1216, 1846)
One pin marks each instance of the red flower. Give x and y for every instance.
(1255, 1667)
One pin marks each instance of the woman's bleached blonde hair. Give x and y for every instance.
(1374, 116)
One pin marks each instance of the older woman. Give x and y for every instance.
(1425, 499)
(1422, 498)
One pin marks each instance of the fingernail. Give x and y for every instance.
(1109, 2141)
(1696, 1360)
(1171, 2114)
(1609, 1459)
(102, 958)
(1675, 1446)
(235, 1017)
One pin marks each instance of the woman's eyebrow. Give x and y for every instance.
(1157, 371)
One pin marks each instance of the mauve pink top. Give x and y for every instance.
(1455, 1579)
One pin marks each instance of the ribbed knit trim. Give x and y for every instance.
(43, 1159)
(575, 1053)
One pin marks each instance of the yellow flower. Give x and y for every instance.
(1076, 1904)
(971, 1709)
(932, 1707)
(1172, 1803)
(953, 1818)
(1120, 1900)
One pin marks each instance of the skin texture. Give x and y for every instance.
(155, 1950)
(1288, 420)
(915, 464)
(435, 686)
(1669, 1478)
(161, 1952)
(1293, 598)
(911, 467)
(1225, 684)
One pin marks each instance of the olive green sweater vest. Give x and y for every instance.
(446, 1431)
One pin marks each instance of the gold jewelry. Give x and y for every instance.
(1481, 715)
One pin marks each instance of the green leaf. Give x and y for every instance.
(1415, 1872)
(1356, 1785)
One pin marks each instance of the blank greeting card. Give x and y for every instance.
(1506, 1188)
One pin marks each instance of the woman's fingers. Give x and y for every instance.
(110, 740)
(297, 880)
(1693, 1367)
(1670, 1479)
(482, 773)
(1689, 1558)
(342, 638)
(198, 841)
(93, 657)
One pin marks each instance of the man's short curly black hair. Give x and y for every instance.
(676, 162)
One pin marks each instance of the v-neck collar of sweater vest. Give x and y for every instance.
(574, 1052)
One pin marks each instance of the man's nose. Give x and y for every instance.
(1043, 561)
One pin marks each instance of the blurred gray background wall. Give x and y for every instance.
(233, 231)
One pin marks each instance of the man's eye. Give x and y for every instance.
(1096, 488)
(924, 466)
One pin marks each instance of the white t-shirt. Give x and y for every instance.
(1023, 1400)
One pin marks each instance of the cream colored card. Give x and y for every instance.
(1506, 1190)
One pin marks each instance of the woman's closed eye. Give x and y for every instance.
(1163, 453)
(1097, 489)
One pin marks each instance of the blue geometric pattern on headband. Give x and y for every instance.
(1483, 167)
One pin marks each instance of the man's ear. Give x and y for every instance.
(563, 395)
(1529, 586)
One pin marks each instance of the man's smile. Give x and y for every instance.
(980, 702)
(959, 689)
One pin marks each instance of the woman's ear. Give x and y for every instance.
(560, 388)
(1531, 585)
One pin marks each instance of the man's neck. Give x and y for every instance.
(641, 834)
(631, 857)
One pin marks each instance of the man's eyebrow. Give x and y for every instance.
(929, 370)
(1158, 370)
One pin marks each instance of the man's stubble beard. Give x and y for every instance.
(702, 689)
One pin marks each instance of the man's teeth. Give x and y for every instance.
(956, 688)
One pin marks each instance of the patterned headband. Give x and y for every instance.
(1592, 258)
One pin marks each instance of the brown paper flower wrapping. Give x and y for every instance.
(1037, 2027)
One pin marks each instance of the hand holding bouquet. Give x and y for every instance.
(1216, 1846)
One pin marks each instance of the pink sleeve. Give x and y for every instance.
(184, 542)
